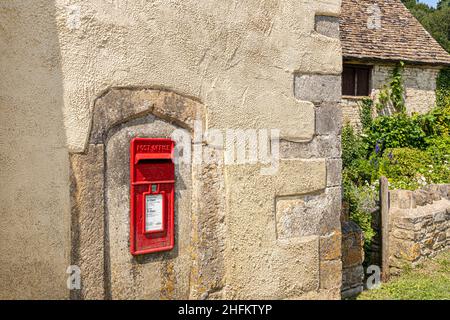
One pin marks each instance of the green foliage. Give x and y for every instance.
(443, 88)
(436, 21)
(435, 123)
(360, 201)
(396, 131)
(365, 113)
(397, 88)
(406, 168)
(353, 146)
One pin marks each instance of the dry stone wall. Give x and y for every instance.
(419, 226)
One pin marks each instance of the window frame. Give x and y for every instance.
(355, 68)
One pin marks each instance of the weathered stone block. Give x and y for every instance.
(353, 292)
(330, 247)
(334, 172)
(330, 274)
(325, 146)
(328, 119)
(88, 214)
(352, 245)
(405, 250)
(444, 190)
(307, 215)
(352, 276)
(422, 197)
(402, 199)
(318, 88)
(439, 216)
(330, 221)
(327, 26)
(434, 191)
(404, 234)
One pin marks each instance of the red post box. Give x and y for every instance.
(152, 186)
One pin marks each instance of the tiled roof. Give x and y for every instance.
(399, 37)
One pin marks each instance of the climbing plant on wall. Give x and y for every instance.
(393, 94)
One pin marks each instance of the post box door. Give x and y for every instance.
(152, 186)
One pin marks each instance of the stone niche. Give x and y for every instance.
(100, 205)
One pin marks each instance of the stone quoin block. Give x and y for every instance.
(328, 119)
(318, 88)
(326, 146)
(334, 172)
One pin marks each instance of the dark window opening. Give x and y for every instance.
(356, 80)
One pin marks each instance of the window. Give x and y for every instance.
(356, 80)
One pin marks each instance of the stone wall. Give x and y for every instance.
(352, 259)
(420, 86)
(419, 226)
(100, 72)
(351, 113)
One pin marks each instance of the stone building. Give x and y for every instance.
(376, 35)
(80, 79)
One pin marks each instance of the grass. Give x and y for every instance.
(429, 281)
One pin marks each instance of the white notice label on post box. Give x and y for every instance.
(153, 212)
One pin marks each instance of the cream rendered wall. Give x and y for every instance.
(34, 165)
(229, 54)
(237, 57)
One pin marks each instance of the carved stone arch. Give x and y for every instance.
(117, 106)
(116, 109)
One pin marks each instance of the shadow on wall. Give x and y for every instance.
(34, 181)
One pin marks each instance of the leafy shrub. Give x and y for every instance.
(360, 201)
(405, 167)
(396, 131)
(443, 89)
(436, 122)
(353, 146)
(411, 169)
(365, 113)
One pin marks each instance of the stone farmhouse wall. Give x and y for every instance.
(420, 225)
(420, 86)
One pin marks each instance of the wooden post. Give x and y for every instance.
(384, 217)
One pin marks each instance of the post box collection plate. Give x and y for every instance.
(152, 195)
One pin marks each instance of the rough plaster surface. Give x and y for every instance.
(239, 60)
(34, 162)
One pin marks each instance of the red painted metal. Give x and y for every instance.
(152, 172)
